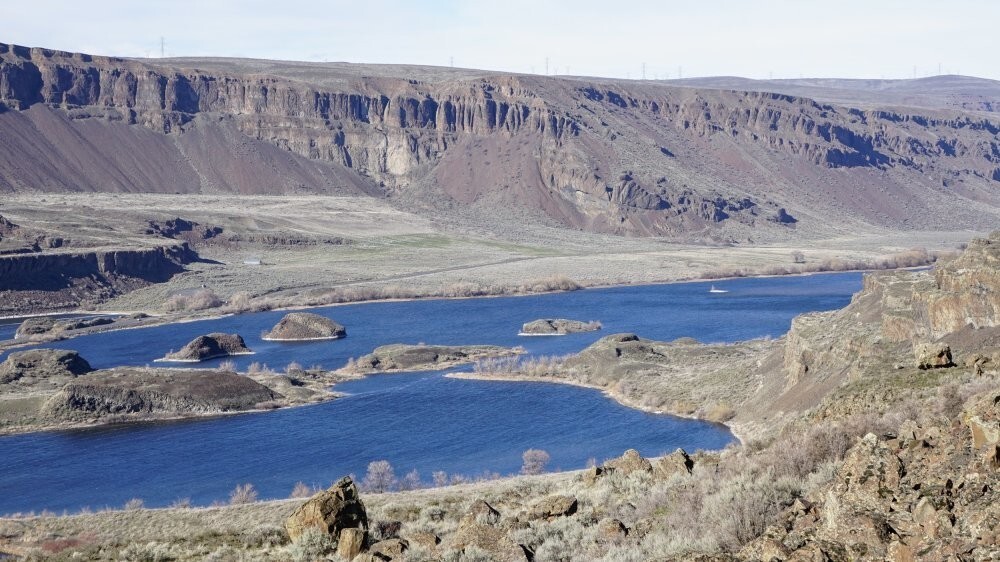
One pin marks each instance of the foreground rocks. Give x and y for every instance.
(403, 357)
(208, 347)
(927, 493)
(330, 512)
(557, 327)
(482, 528)
(305, 326)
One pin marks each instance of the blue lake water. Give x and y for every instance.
(420, 421)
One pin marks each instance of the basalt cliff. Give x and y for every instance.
(626, 157)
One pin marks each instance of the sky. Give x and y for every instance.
(776, 38)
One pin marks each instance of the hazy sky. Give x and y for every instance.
(779, 38)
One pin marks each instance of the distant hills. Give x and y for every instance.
(714, 159)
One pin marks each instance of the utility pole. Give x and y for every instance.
(451, 61)
(643, 71)
(679, 73)
(163, 43)
(939, 69)
(546, 66)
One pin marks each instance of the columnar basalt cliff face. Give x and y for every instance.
(630, 158)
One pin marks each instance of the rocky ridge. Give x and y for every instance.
(30, 282)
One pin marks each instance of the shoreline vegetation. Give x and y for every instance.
(242, 303)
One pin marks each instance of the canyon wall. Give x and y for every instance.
(629, 157)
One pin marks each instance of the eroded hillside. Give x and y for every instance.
(638, 158)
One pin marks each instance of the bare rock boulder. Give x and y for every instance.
(352, 540)
(389, 549)
(305, 326)
(552, 507)
(611, 531)
(330, 511)
(591, 475)
(424, 539)
(210, 346)
(869, 469)
(982, 417)
(481, 528)
(630, 462)
(932, 355)
(678, 462)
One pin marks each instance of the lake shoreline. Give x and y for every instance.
(610, 393)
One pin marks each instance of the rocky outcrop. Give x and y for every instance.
(676, 463)
(210, 346)
(305, 326)
(484, 529)
(932, 355)
(631, 461)
(925, 493)
(42, 367)
(389, 549)
(139, 392)
(330, 512)
(35, 281)
(350, 542)
(557, 327)
(52, 270)
(552, 507)
(404, 357)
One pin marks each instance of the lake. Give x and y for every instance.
(416, 421)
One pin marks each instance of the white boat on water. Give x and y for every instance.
(714, 290)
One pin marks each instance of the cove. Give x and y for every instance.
(420, 421)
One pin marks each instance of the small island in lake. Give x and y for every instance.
(305, 326)
(557, 327)
(208, 347)
(403, 357)
(45, 389)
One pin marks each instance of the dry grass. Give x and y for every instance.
(202, 299)
(915, 257)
